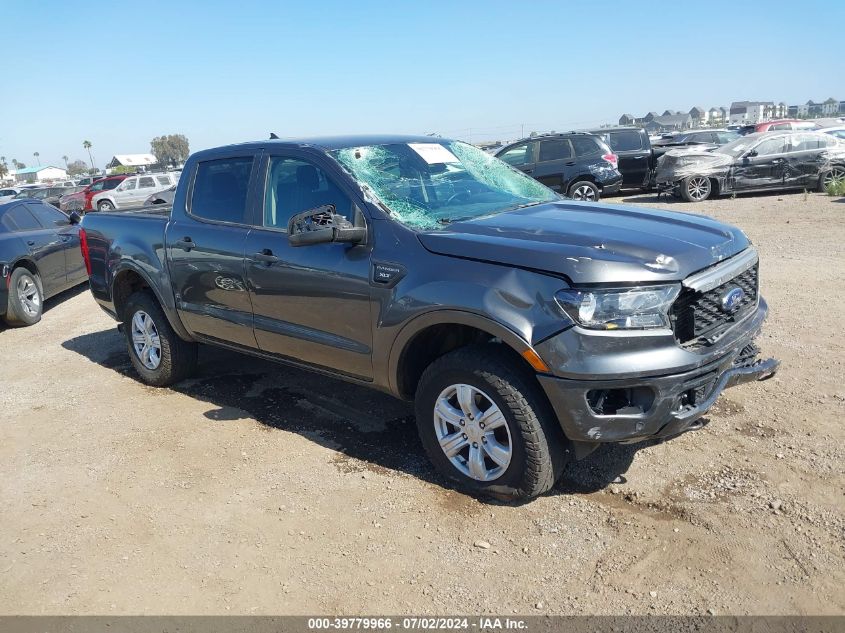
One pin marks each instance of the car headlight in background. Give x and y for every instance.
(616, 309)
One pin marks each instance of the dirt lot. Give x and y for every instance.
(260, 489)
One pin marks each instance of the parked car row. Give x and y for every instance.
(119, 192)
(756, 162)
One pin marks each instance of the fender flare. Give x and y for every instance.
(440, 317)
(168, 309)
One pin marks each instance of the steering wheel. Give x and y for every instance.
(466, 193)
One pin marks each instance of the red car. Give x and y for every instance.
(81, 201)
(785, 124)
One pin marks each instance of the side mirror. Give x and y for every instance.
(322, 225)
(751, 153)
(74, 217)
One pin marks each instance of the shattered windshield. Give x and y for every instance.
(429, 185)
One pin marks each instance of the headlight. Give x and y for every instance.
(626, 308)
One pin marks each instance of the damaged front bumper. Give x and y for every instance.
(631, 408)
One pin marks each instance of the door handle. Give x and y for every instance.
(570, 163)
(30, 242)
(186, 244)
(638, 157)
(527, 171)
(266, 256)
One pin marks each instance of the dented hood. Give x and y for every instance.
(593, 243)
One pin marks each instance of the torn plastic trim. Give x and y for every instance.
(723, 272)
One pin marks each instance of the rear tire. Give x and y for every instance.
(159, 356)
(696, 188)
(585, 191)
(518, 454)
(831, 177)
(26, 298)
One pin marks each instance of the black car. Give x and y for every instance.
(578, 165)
(39, 257)
(636, 158)
(755, 162)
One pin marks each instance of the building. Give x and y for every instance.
(830, 107)
(627, 119)
(669, 123)
(40, 174)
(138, 162)
(750, 112)
(700, 116)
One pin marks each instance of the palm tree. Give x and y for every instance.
(87, 145)
(37, 157)
(64, 158)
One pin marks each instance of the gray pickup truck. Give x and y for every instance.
(527, 328)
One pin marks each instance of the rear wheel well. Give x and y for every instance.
(582, 177)
(125, 284)
(433, 342)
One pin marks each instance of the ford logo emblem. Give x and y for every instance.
(731, 300)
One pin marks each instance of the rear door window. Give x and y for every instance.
(164, 181)
(805, 142)
(220, 189)
(146, 182)
(626, 140)
(554, 149)
(585, 146)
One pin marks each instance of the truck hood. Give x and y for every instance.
(592, 243)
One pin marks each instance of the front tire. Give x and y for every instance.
(485, 424)
(159, 356)
(585, 191)
(105, 205)
(26, 298)
(696, 188)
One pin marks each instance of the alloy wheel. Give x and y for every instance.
(29, 296)
(145, 340)
(835, 177)
(698, 188)
(472, 432)
(584, 192)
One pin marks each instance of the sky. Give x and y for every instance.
(226, 72)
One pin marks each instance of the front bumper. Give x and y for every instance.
(651, 404)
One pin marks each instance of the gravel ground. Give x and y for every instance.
(259, 489)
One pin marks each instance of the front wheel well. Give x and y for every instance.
(25, 263)
(125, 284)
(433, 342)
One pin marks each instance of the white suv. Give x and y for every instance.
(133, 191)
